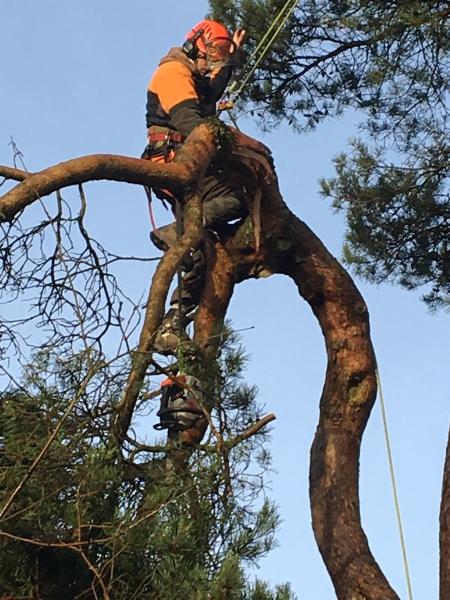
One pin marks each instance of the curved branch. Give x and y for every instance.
(291, 248)
(154, 312)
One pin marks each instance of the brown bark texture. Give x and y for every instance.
(444, 539)
(272, 240)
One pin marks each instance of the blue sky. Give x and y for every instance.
(74, 79)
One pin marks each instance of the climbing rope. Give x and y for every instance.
(394, 486)
(262, 48)
(180, 230)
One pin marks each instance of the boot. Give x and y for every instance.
(164, 237)
(170, 335)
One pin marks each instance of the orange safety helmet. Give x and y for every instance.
(210, 38)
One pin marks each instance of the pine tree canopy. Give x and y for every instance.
(389, 62)
(95, 521)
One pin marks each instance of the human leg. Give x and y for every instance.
(222, 204)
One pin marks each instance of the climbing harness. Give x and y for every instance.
(161, 146)
(235, 89)
(180, 408)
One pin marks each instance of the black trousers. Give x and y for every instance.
(222, 203)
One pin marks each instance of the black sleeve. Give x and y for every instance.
(185, 116)
(220, 82)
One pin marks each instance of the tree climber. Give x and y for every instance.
(183, 91)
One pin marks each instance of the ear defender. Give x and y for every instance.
(190, 47)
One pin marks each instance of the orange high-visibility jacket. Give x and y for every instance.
(179, 97)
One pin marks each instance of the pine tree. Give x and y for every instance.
(97, 521)
(389, 62)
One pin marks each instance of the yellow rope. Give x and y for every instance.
(394, 486)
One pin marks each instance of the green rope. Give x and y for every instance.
(280, 20)
(180, 231)
(394, 486)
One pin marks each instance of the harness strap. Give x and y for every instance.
(169, 136)
(148, 191)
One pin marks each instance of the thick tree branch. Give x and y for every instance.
(290, 247)
(192, 159)
(210, 316)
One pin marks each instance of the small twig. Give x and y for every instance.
(97, 575)
(151, 395)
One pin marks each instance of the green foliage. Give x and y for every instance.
(389, 61)
(398, 220)
(94, 520)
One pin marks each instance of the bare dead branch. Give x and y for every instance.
(250, 431)
(155, 310)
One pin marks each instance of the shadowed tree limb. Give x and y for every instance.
(155, 311)
(209, 319)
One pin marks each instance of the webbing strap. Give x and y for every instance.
(148, 191)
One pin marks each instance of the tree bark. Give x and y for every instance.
(444, 536)
(192, 160)
(217, 292)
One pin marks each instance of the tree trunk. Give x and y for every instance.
(288, 246)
